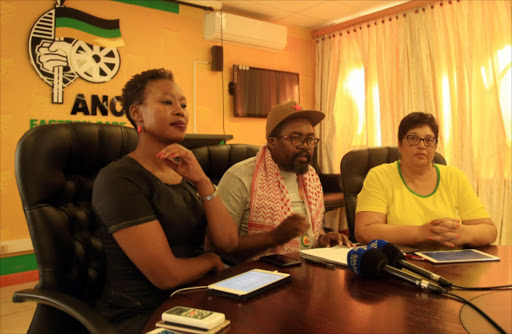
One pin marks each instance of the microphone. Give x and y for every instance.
(373, 263)
(366, 262)
(397, 259)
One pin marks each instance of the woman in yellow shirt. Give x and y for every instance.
(418, 203)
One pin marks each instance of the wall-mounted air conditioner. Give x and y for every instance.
(239, 29)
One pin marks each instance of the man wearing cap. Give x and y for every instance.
(276, 197)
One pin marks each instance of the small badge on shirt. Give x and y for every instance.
(305, 241)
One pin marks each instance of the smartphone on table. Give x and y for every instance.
(281, 260)
(188, 316)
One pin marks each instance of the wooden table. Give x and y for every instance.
(322, 300)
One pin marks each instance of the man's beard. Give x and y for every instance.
(297, 166)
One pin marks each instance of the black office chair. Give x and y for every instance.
(55, 170)
(56, 166)
(331, 185)
(216, 159)
(355, 165)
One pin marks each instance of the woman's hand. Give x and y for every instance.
(334, 239)
(222, 230)
(215, 260)
(183, 162)
(445, 231)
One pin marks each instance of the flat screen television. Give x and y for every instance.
(257, 90)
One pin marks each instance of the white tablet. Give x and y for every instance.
(454, 256)
(248, 284)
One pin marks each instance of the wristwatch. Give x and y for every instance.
(209, 197)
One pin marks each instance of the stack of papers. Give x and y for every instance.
(335, 255)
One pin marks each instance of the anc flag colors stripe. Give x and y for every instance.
(154, 4)
(89, 38)
(71, 13)
(73, 23)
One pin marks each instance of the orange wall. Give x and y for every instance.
(153, 39)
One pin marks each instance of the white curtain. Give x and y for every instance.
(452, 59)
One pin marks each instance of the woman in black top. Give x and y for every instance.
(156, 211)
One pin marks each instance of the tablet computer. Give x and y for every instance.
(248, 284)
(454, 256)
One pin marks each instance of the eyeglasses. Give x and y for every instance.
(415, 140)
(299, 140)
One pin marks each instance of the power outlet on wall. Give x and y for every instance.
(15, 246)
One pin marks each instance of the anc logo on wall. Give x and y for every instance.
(66, 43)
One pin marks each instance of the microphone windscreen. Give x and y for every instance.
(393, 253)
(354, 257)
(367, 263)
(373, 263)
(377, 243)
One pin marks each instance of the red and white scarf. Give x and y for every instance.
(270, 203)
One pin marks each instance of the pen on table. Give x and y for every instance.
(326, 264)
(414, 257)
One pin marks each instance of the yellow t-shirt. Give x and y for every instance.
(385, 191)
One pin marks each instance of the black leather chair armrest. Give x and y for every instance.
(331, 183)
(68, 304)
